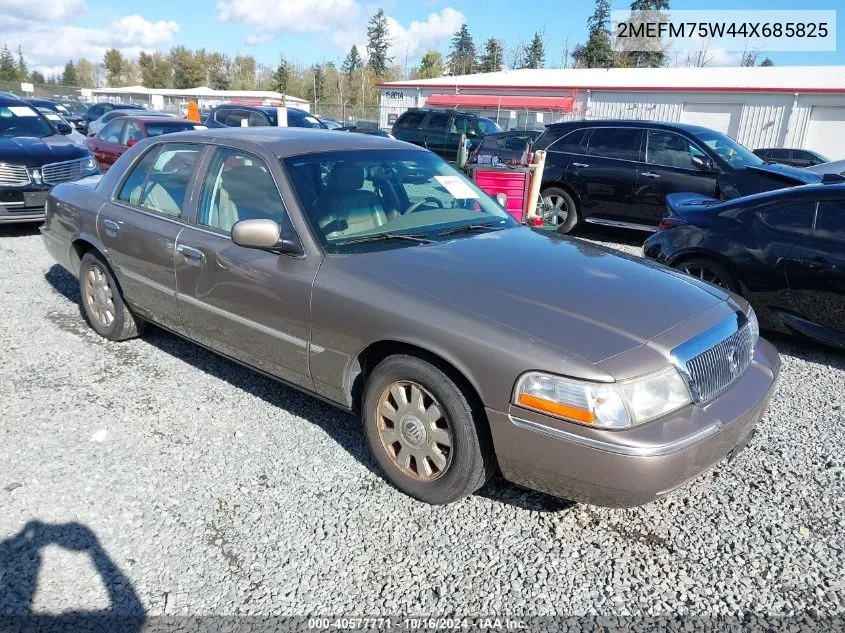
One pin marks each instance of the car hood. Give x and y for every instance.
(787, 172)
(32, 151)
(571, 294)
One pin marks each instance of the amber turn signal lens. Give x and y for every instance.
(555, 408)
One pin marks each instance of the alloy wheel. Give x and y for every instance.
(99, 296)
(704, 273)
(414, 431)
(557, 204)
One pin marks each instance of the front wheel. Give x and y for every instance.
(560, 203)
(425, 434)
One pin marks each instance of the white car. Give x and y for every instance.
(52, 117)
(833, 167)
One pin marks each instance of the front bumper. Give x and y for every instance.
(23, 204)
(632, 467)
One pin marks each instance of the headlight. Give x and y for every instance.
(616, 405)
(754, 324)
(89, 163)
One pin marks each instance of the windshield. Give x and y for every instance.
(23, 120)
(349, 195)
(488, 127)
(729, 150)
(75, 107)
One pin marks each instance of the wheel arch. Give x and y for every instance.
(81, 245)
(720, 259)
(560, 184)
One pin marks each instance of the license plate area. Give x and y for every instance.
(35, 198)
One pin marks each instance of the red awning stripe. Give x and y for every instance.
(517, 102)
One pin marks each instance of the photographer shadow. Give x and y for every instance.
(21, 556)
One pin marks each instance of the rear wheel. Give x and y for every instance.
(562, 205)
(107, 313)
(425, 434)
(710, 271)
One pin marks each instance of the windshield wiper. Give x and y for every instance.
(469, 228)
(419, 238)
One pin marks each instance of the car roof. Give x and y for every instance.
(447, 111)
(292, 141)
(812, 192)
(145, 118)
(262, 108)
(4, 101)
(660, 125)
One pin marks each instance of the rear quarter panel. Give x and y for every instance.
(71, 215)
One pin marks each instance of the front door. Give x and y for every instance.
(815, 270)
(140, 227)
(606, 176)
(668, 168)
(249, 304)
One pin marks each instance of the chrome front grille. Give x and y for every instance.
(54, 173)
(714, 360)
(13, 175)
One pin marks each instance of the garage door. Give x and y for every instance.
(826, 132)
(723, 117)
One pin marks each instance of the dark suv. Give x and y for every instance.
(619, 172)
(232, 115)
(97, 110)
(794, 157)
(440, 130)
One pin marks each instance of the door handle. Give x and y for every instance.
(190, 253)
(582, 165)
(818, 264)
(649, 174)
(111, 225)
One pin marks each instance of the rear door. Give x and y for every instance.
(667, 167)
(434, 134)
(459, 126)
(816, 271)
(140, 226)
(249, 304)
(605, 177)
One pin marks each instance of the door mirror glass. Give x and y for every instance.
(502, 199)
(702, 164)
(263, 234)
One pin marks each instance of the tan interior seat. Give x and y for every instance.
(344, 202)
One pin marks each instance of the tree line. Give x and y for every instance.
(353, 80)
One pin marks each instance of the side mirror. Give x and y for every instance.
(64, 128)
(264, 235)
(131, 142)
(502, 199)
(703, 164)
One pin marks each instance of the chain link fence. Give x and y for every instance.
(45, 91)
(363, 116)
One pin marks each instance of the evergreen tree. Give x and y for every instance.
(23, 71)
(281, 78)
(597, 52)
(535, 54)
(8, 72)
(767, 62)
(36, 77)
(493, 57)
(648, 59)
(378, 42)
(462, 53)
(116, 68)
(352, 62)
(431, 65)
(69, 75)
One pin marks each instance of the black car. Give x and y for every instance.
(77, 121)
(794, 157)
(34, 156)
(783, 250)
(440, 130)
(503, 147)
(97, 110)
(233, 115)
(619, 172)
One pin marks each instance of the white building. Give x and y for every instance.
(172, 99)
(800, 107)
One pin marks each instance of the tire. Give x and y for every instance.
(709, 270)
(465, 462)
(560, 199)
(107, 313)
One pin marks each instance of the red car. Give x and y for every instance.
(124, 132)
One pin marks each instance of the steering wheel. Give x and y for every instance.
(416, 206)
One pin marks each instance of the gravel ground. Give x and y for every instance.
(154, 476)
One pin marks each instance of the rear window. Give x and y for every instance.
(157, 129)
(410, 120)
(615, 142)
(793, 218)
(560, 140)
(437, 122)
(831, 221)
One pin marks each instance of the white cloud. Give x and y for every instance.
(268, 17)
(47, 46)
(56, 10)
(411, 41)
